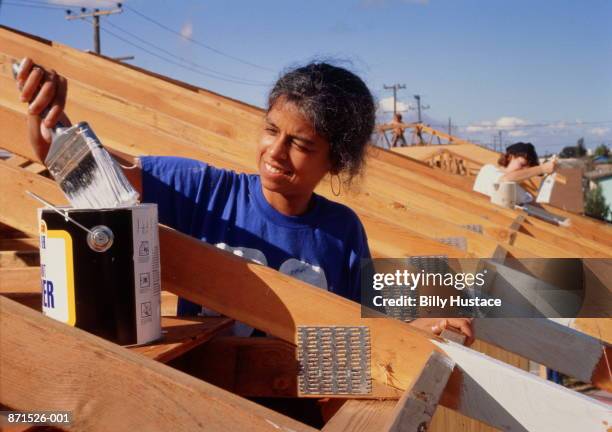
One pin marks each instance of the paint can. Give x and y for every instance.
(100, 271)
(505, 194)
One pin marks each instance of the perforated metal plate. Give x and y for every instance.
(430, 263)
(457, 242)
(473, 227)
(334, 360)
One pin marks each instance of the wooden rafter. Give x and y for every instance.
(278, 304)
(106, 387)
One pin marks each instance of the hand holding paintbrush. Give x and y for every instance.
(74, 155)
(45, 92)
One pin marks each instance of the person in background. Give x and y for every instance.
(397, 132)
(520, 162)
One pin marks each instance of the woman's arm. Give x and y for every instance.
(131, 168)
(526, 173)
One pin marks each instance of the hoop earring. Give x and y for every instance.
(331, 183)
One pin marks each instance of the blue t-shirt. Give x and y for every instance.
(322, 247)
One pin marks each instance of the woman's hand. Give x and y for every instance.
(437, 325)
(550, 166)
(42, 90)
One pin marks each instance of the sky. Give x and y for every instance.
(538, 71)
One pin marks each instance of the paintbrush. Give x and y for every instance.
(84, 170)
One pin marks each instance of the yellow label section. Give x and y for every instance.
(69, 263)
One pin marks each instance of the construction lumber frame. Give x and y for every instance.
(278, 304)
(47, 365)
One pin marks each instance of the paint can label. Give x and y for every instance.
(57, 275)
(146, 274)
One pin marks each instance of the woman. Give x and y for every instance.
(520, 162)
(319, 121)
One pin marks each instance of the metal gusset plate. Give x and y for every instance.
(474, 227)
(457, 242)
(430, 263)
(334, 360)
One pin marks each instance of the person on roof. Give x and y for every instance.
(318, 123)
(397, 131)
(520, 162)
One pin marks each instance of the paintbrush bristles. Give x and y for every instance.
(85, 171)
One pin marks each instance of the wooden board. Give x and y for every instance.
(180, 335)
(361, 416)
(250, 367)
(277, 304)
(529, 402)
(551, 344)
(106, 387)
(20, 280)
(415, 409)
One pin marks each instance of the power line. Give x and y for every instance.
(32, 6)
(560, 123)
(220, 74)
(42, 3)
(96, 14)
(203, 45)
(174, 62)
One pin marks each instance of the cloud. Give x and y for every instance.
(558, 126)
(86, 3)
(187, 30)
(517, 133)
(502, 123)
(509, 122)
(599, 131)
(386, 104)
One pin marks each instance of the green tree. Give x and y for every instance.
(595, 205)
(602, 150)
(568, 152)
(574, 151)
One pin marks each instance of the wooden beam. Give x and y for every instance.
(181, 334)
(415, 409)
(515, 400)
(20, 280)
(142, 93)
(551, 344)
(453, 336)
(250, 367)
(19, 259)
(106, 387)
(277, 304)
(361, 416)
(19, 244)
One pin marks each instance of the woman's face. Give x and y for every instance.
(516, 163)
(292, 157)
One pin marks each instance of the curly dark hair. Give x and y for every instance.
(526, 150)
(339, 105)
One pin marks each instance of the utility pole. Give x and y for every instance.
(501, 146)
(96, 14)
(395, 88)
(420, 107)
(449, 126)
